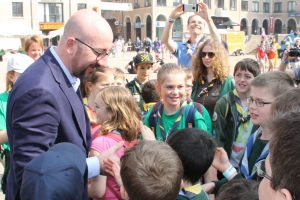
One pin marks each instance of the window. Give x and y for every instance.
(255, 6)
(50, 12)
(244, 6)
(291, 6)
(192, 1)
(208, 3)
(176, 2)
(232, 4)
(220, 3)
(17, 9)
(161, 2)
(277, 7)
(266, 7)
(81, 6)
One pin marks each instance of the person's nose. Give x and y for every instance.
(103, 62)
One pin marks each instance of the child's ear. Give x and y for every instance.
(123, 192)
(135, 68)
(11, 77)
(286, 194)
(181, 184)
(89, 85)
(157, 87)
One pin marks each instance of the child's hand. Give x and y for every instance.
(208, 187)
(147, 133)
(113, 168)
(221, 162)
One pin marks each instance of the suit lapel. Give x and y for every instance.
(73, 97)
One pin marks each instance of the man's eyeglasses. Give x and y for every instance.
(259, 103)
(100, 54)
(210, 54)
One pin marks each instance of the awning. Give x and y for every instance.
(13, 29)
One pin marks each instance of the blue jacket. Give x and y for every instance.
(43, 109)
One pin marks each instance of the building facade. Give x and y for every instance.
(148, 17)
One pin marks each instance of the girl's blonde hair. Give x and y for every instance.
(168, 69)
(100, 74)
(124, 113)
(221, 66)
(9, 83)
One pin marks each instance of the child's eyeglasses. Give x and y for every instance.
(210, 54)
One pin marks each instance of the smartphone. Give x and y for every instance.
(190, 8)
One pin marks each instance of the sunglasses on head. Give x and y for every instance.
(210, 54)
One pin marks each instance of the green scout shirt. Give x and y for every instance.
(193, 192)
(136, 92)
(207, 119)
(3, 106)
(168, 121)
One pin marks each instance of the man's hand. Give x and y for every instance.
(109, 153)
(113, 168)
(221, 162)
(147, 133)
(177, 12)
(203, 13)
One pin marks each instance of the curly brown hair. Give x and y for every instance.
(124, 113)
(220, 66)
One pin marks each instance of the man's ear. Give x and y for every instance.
(70, 45)
(286, 194)
(123, 192)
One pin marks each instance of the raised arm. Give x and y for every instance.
(167, 33)
(211, 26)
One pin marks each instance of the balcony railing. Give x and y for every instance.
(136, 5)
(147, 4)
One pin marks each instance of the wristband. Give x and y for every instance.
(171, 20)
(231, 170)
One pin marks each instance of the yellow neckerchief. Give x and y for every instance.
(205, 90)
(147, 106)
(88, 111)
(196, 189)
(244, 117)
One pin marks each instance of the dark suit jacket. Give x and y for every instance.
(43, 109)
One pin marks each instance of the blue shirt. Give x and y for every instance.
(182, 54)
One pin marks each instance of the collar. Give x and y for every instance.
(73, 80)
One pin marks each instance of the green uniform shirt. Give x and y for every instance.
(207, 119)
(136, 92)
(168, 121)
(3, 106)
(194, 192)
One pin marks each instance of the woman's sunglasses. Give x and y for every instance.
(210, 54)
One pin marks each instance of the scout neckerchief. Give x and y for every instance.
(147, 106)
(205, 90)
(249, 173)
(164, 135)
(137, 85)
(243, 119)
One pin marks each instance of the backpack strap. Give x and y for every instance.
(198, 107)
(190, 116)
(153, 116)
(228, 113)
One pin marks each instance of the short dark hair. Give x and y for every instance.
(284, 152)
(239, 189)
(149, 92)
(248, 64)
(196, 151)
(151, 170)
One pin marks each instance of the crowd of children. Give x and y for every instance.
(193, 133)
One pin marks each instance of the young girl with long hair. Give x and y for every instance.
(211, 74)
(172, 113)
(119, 117)
(90, 86)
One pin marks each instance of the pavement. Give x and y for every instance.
(119, 63)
